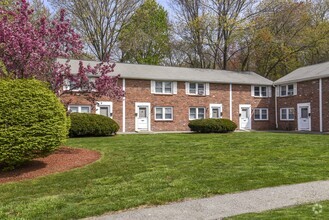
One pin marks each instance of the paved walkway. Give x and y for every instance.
(221, 206)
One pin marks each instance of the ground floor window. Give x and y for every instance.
(80, 108)
(163, 113)
(287, 114)
(197, 113)
(261, 114)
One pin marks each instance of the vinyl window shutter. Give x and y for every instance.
(152, 86)
(174, 89)
(252, 90)
(207, 88)
(269, 91)
(187, 86)
(295, 88)
(277, 91)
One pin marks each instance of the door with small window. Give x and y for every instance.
(142, 114)
(245, 117)
(215, 110)
(104, 108)
(304, 117)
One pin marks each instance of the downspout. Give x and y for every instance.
(124, 106)
(320, 105)
(231, 104)
(276, 107)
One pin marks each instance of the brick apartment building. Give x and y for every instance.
(159, 98)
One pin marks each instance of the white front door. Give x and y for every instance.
(142, 114)
(245, 117)
(304, 117)
(104, 108)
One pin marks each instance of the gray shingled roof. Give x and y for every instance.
(150, 72)
(305, 73)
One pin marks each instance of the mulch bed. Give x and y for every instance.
(63, 159)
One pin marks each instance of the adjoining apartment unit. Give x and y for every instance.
(302, 99)
(159, 98)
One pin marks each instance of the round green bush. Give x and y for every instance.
(33, 122)
(91, 125)
(212, 125)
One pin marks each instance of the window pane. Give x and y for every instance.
(201, 89)
(74, 109)
(304, 112)
(215, 113)
(158, 113)
(264, 114)
(73, 85)
(192, 113)
(142, 112)
(168, 113)
(168, 87)
(85, 109)
(158, 87)
(283, 90)
(104, 111)
(257, 114)
(256, 92)
(192, 89)
(290, 89)
(284, 113)
(291, 113)
(200, 112)
(264, 93)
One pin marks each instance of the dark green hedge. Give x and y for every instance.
(92, 125)
(212, 125)
(33, 122)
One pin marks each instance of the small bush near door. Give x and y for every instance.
(33, 122)
(212, 125)
(92, 125)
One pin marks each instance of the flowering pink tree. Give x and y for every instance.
(30, 49)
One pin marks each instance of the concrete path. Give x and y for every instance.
(221, 206)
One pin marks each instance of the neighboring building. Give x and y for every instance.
(162, 98)
(302, 99)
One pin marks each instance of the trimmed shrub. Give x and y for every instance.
(33, 122)
(212, 125)
(92, 125)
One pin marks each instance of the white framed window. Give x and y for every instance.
(164, 113)
(215, 110)
(163, 87)
(260, 114)
(287, 114)
(195, 88)
(80, 108)
(197, 113)
(261, 91)
(72, 85)
(287, 90)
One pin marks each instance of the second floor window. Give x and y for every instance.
(163, 87)
(194, 88)
(288, 90)
(261, 91)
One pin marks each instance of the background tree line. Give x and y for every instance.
(270, 37)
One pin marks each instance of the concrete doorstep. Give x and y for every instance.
(221, 206)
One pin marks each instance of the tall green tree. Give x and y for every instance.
(145, 39)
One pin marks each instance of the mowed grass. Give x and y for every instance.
(138, 170)
(303, 212)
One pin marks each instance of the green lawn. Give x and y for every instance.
(140, 170)
(303, 212)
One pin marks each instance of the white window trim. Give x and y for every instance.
(163, 113)
(211, 106)
(206, 89)
(268, 91)
(101, 103)
(79, 107)
(197, 113)
(173, 87)
(287, 110)
(286, 86)
(261, 119)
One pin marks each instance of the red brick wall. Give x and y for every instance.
(307, 92)
(325, 104)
